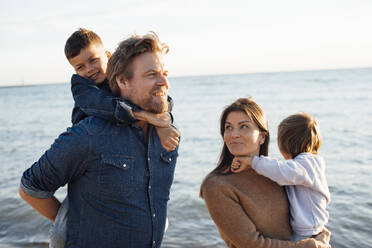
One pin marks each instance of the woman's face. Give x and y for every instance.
(242, 136)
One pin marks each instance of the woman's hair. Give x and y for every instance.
(299, 133)
(121, 60)
(256, 114)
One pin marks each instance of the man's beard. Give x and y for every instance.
(150, 104)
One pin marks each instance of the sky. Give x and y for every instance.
(205, 36)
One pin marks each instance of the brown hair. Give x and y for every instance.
(121, 60)
(256, 114)
(299, 133)
(79, 40)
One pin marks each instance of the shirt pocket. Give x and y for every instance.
(168, 160)
(116, 175)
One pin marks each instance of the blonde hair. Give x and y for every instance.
(121, 60)
(299, 133)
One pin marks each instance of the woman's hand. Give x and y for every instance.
(323, 238)
(241, 163)
(158, 120)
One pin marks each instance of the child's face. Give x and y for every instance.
(91, 63)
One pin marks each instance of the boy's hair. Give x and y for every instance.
(79, 40)
(121, 60)
(299, 133)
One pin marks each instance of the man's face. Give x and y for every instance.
(148, 88)
(91, 63)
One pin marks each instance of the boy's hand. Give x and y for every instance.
(323, 238)
(241, 163)
(158, 120)
(169, 137)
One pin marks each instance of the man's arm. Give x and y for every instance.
(63, 162)
(47, 207)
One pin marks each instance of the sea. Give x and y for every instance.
(31, 117)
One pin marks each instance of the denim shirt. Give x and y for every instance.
(118, 185)
(97, 100)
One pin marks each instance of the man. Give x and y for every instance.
(119, 176)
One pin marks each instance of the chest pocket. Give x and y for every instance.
(116, 175)
(169, 160)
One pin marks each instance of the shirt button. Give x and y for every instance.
(149, 186)
(124, 165)
(153, 242)
(148, 158)
(169, 159)
(153, 215)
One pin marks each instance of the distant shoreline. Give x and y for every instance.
(12, 85)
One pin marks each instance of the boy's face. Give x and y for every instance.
(91, 63)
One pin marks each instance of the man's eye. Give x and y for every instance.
(165, 74)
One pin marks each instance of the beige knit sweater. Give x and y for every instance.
(250, 211)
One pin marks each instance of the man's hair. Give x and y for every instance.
(121, 60)
(79, 40)
(299, 133)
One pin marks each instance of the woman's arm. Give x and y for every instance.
(235, 226)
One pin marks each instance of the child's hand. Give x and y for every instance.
(323, 238)
(241, 163)
(169, 137)
(158, 120)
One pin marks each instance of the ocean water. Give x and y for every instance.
(32, 117)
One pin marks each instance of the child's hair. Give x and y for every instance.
(79, 40)
(121, 60)
(299, 133)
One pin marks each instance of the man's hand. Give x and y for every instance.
(158, 120)
(323, 238)
(169, 137)
(241, 163)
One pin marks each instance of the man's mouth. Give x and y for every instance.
(159, 93)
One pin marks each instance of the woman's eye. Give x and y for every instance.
(244, 126)
(228, 127)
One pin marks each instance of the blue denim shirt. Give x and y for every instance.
(118, 184)
(96, 100)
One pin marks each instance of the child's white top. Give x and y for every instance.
(307, 189)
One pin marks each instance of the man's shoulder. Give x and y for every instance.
(93, 125)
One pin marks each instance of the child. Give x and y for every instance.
(303, 173)
(85, 52)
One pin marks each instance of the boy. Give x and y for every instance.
(85, 52)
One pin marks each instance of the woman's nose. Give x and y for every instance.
(235, 133)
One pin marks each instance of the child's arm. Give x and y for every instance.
(99, 102)
(288, 172)
(241, 163)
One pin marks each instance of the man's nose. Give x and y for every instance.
(163, 81)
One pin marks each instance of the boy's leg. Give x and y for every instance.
(58, 231)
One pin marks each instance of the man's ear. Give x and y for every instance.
(108, 54)
(120, 80)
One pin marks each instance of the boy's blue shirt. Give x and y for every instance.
(97, 100)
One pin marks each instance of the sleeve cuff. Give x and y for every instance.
(31, 191)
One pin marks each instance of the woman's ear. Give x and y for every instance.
(262, 138)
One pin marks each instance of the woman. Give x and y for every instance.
(249, 210)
